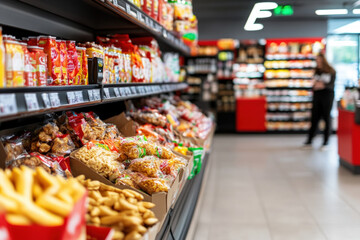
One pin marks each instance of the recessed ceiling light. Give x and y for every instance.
(356, 11)
(331, 11)
(259, 11)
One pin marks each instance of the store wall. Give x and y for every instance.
(226, 28)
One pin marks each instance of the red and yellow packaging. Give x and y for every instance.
(147, 6)
(53, 59)
(32, 41)
(14, 64)
(78, 76)
(41, 65)
(73, 66)
(2, 61)
(29, 68)
(155, 10)
(61, 44)
(84, 68)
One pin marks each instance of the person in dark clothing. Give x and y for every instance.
(323, 98)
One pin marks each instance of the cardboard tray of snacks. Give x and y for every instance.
(162, 200)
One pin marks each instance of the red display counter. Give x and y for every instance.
(349, 141)
(251, 114)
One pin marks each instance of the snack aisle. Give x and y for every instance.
(98, 116)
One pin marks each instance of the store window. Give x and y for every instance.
(343, 54)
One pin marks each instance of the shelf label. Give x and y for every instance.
(133, 90)
(54, 99)
(117, 93)
(139, 16)
(8, 104)
(97, 95)
(71, 97)
(46, 100)
(128, 8)
(122, 92)
(146, 20)
(31, 101)
(106, 93)
(91, 95)
(79, 97)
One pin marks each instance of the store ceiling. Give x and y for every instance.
(240, 9)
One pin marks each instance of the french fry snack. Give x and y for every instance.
(37, 205)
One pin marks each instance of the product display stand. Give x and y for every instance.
(349, 141)
(179, 218)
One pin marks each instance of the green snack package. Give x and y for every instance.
(197, 153)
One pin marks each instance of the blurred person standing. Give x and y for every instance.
(323, 98)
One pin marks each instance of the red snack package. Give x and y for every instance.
(41, 65)
(79, 76)
(32, 41)
(72, 66)
(155, 9)
(30, 69)
(61, 44)
(84, 74)
(53, 59)
(147, 6)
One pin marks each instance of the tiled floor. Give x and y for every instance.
(264, 187)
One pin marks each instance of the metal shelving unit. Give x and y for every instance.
(82, 20)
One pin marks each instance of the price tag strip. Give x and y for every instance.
(32, 103)
(8, 104)
(71, 97)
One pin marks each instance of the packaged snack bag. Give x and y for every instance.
(41, 65)
(53, 59)
(32, 41)
(147, 6)
(15, 64)
(79, 75)
(61, 44)
(2, 61)
(84, 67)
(155, 10)
(29, 67)
(72, 66)
(149, 166)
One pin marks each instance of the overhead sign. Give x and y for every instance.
(260, 10)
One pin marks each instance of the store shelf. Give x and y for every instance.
(30, 101)
(287, 111)
(289, 58)
(289, 78)
(178, 219)
(284, 88)
(83, 20)
(289, 120)
(289, 101)
(290, 68)
(200, 73)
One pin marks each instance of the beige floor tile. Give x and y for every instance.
(239, 232)
(267, 187)
(296, 232)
